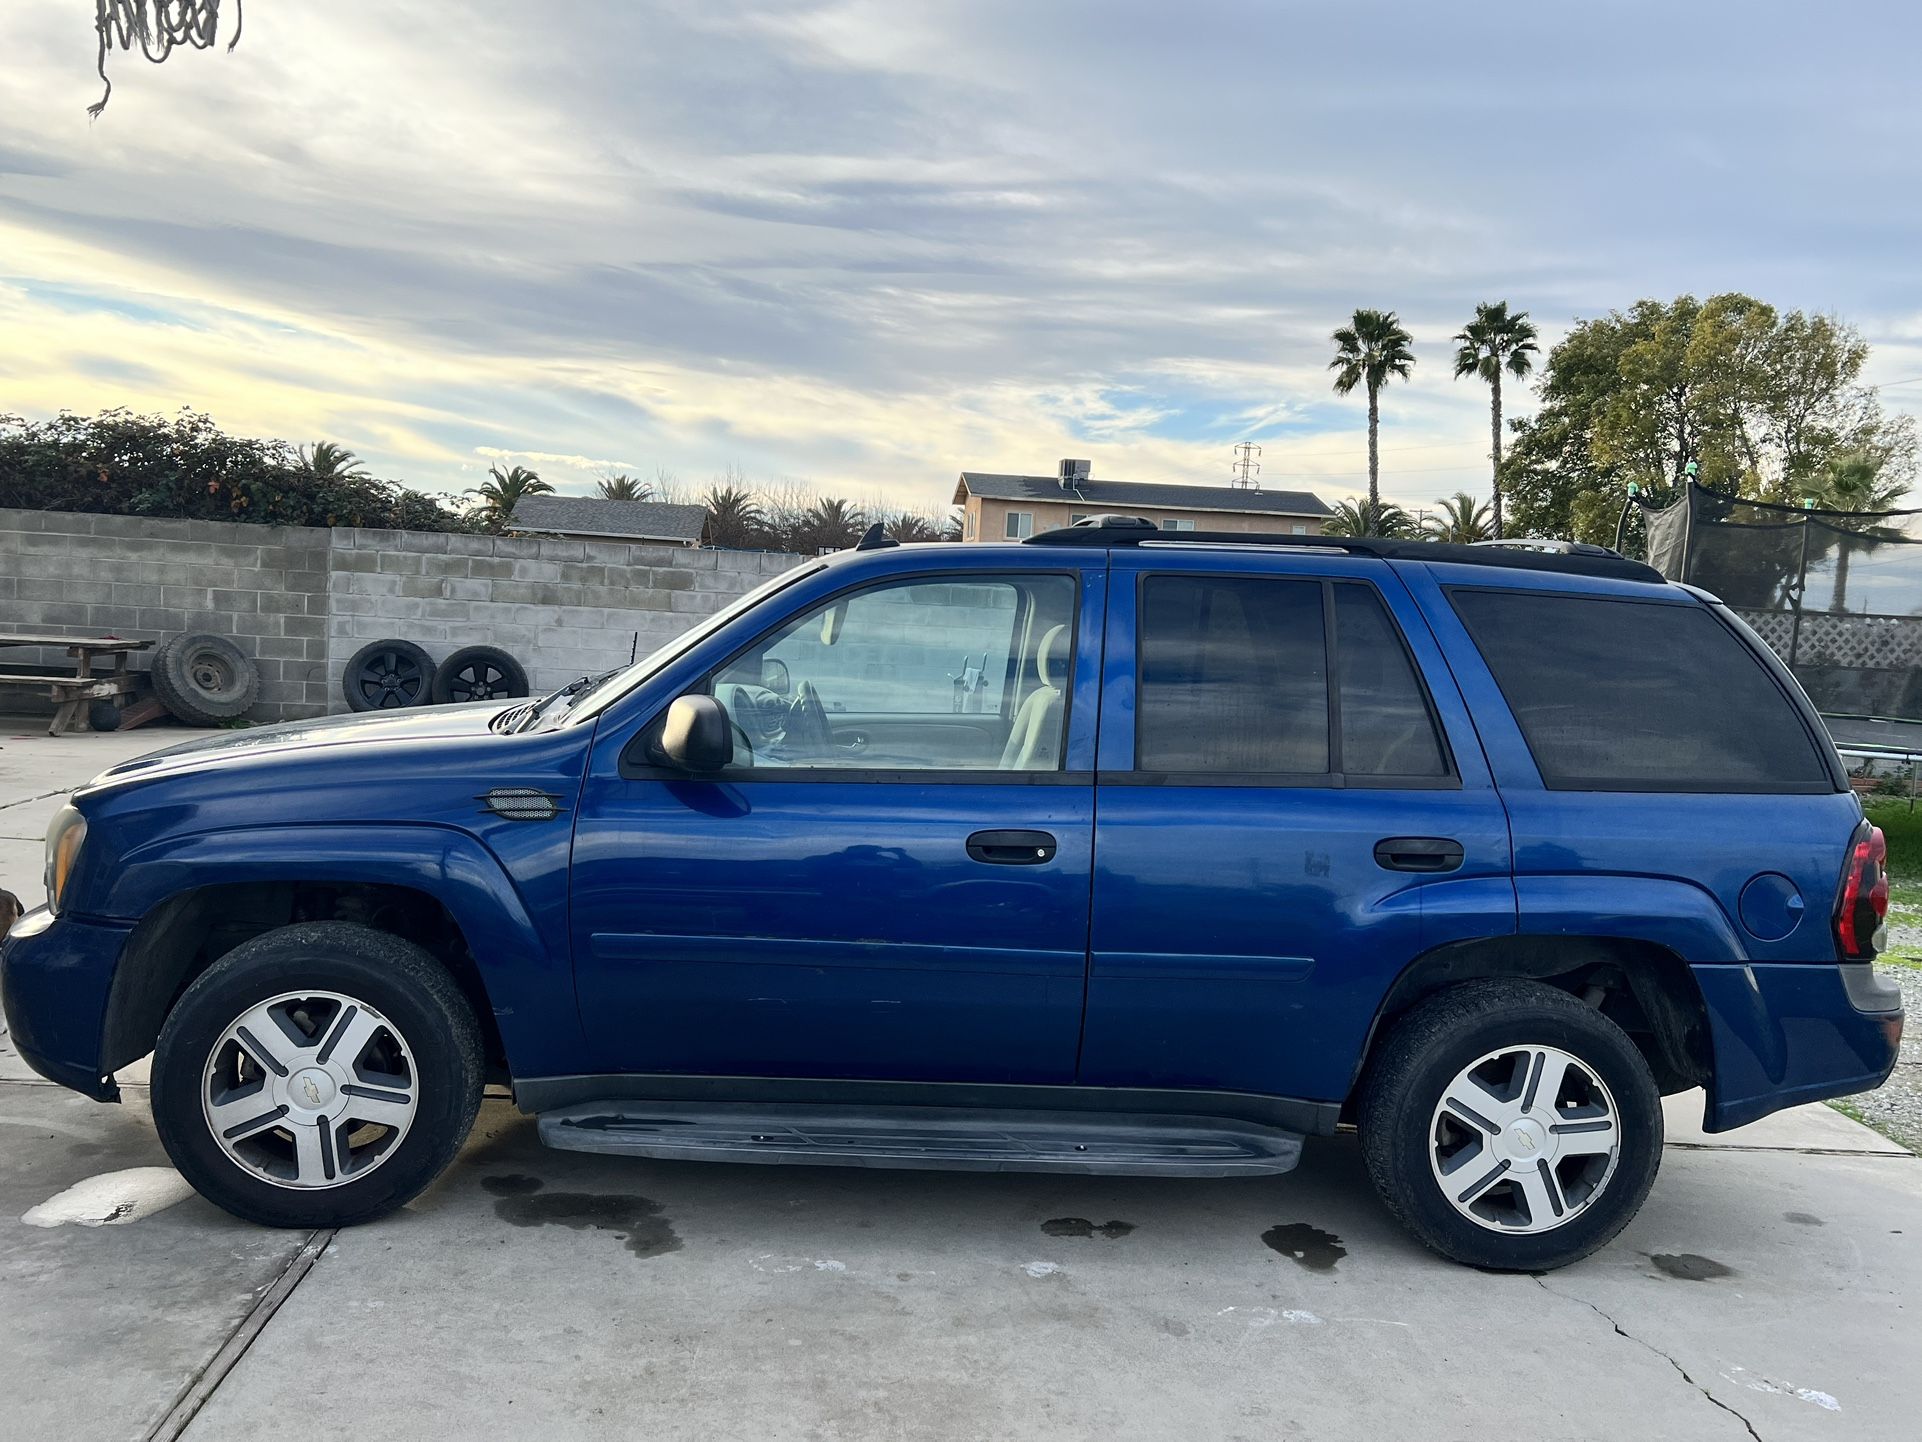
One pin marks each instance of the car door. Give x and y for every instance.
(1292, 806)
(891, 878)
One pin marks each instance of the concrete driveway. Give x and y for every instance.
(1772, 1288)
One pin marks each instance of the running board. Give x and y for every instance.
(925, 1138)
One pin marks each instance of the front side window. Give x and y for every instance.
(1615, 695)
(1235, 680)
(961, 673)
(1020, 525)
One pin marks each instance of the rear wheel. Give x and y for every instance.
(319, 1075)
(1511, 1127)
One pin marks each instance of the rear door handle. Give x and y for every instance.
(1418, 853)
(1012, 848)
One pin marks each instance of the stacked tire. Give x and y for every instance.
(392, 674)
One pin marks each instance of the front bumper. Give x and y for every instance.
(56, 975)
(1785, 1034)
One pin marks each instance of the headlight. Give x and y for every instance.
(65, 833)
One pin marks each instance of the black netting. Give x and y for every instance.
(1638, 696)
(1838, 596)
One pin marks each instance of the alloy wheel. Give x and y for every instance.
(1524, 1139)
(310, 1090)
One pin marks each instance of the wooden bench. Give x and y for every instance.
(72, 695)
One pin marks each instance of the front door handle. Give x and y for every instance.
(1418, 853)
(1012, 848)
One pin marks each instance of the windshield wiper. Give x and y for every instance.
(570, 693)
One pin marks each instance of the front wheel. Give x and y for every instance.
(1511, 1127)
(317, 1076)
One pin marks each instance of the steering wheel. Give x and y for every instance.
(807, 722)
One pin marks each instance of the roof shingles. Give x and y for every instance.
(1122, 495)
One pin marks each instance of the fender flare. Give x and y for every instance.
(529, 986)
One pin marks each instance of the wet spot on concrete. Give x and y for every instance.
(1687, 1267)
(636, 1219)
(514, 1184)
(1082, 1227)
(1310, 1246)
(1173, 1327)
(1805, 1219)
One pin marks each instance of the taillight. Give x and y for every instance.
(1863, 903)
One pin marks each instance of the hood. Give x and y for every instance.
(366, 730)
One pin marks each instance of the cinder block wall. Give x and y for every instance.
(263, 586)
(562, 608)
(302, 601)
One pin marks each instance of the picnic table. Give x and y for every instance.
(74, 694)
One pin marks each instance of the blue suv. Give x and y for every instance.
(1113, 851)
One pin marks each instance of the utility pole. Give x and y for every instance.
(1246, 467)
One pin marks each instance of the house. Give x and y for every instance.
(1003, 508)
(589, 518)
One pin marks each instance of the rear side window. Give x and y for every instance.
(1235, 681)
(1638, 696)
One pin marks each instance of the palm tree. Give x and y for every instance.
(908, 526)
(1369, 518)
(506, 489)
(733, 518)
(1855, 483)
(624, 487)
(832, 524)
(1494, 342)
(329, 462)
(1371, 350)
(1462, 519)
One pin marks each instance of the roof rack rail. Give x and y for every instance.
(1570, 557)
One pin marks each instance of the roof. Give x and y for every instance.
(1144, 494)
(617, 520)
(1576, 559)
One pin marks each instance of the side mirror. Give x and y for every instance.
(774, 676)
(697, 735)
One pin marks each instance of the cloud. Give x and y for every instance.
(871, 244)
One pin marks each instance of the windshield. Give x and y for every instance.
(605, 692)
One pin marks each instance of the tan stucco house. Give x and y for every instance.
(1006, 508)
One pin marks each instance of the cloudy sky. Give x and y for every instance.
(870, 243)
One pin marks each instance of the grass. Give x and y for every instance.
(1903, 830)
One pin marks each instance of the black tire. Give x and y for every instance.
(478, 673)
(204, 680)
(1430, 1047)
(390, 978)
(388, 675)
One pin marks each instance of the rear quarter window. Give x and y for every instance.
(1619, 695)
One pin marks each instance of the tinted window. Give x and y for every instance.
(1234, 676)
(968, 674)
(1634, 696)
(1386, 726)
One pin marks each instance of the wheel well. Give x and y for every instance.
(1643, 988)
(189, 932)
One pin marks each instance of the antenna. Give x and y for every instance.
(1246, 467)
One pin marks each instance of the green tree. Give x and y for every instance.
(623, 487)
(184, 466)
(1495, 343)
(908, 526)
(327, 462)
(1371, 350)
(830, 524)
(1461, 519)
(1764, 404)
(1369, 518)
(734, 519)
(503, 490)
